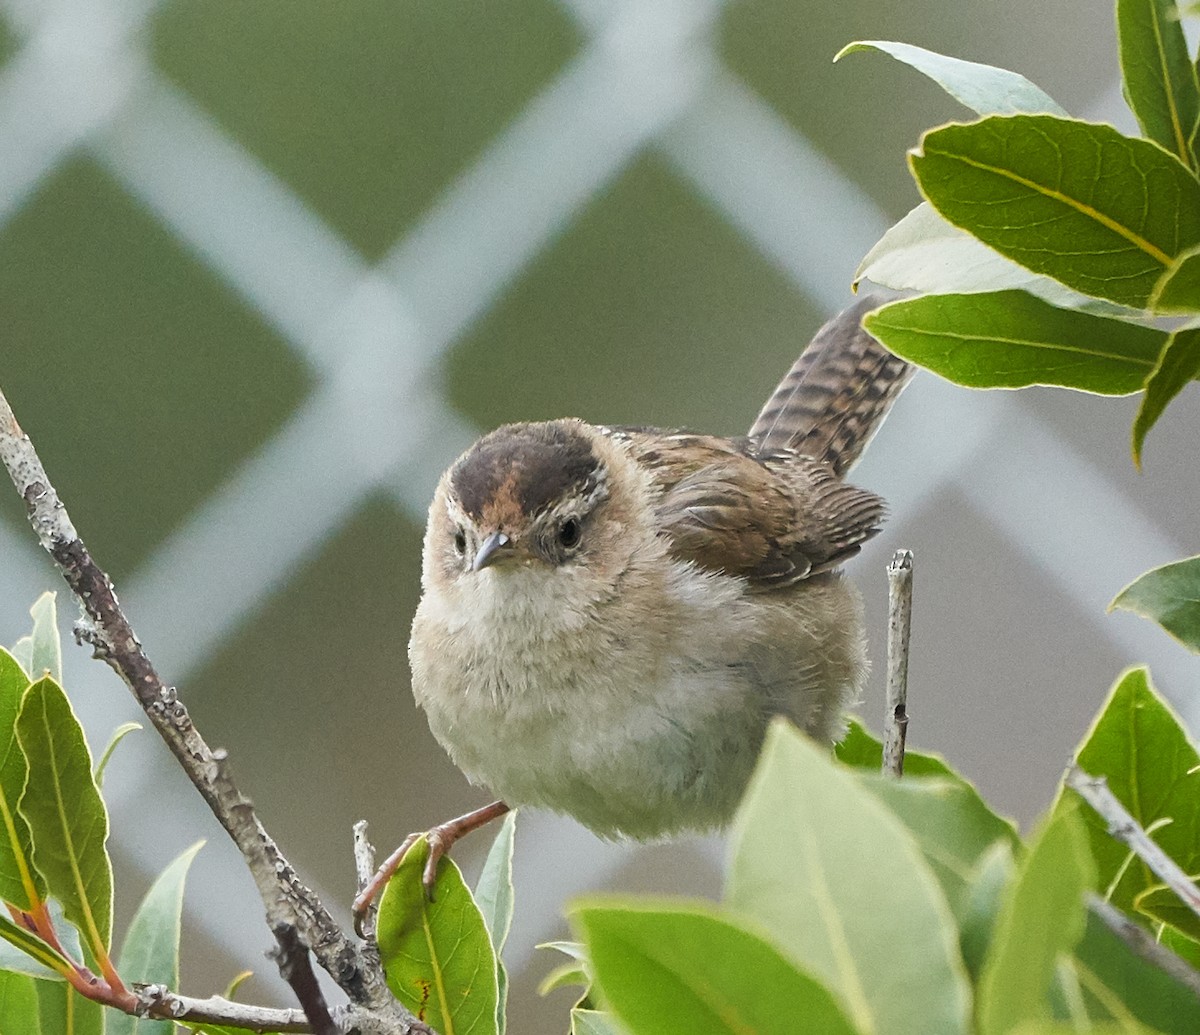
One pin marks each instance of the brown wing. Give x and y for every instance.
(774, 520)
(835, 396)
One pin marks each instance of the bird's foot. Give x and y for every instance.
(440, 839)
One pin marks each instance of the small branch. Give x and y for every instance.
(1143, 943)
(364, 867)
(895, 721)
(286, 899)
(294, 966)
(158, 1001)
(1121, 825)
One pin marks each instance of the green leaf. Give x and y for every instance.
(1178, 363)
(1178, 289)
(40, 960)
(1161, 903)
(951, 824)
(437, 955)
(494, 892)
(20, 884)
(22, 653)
(1169, 595)
(1187, 949)
(666, 968)
(46, 656)
(572, 973)
(839, 883)
(1069, 1028)
(119, 734)
(593, 1022)
(1159, 78)
(63, 1011)
(65, 813)
(984, 89)
(1041, 917)
(859, 749)
(494, 896)
(1138, 744)
(1010, 339)
(1119, 983)
(1102, 213)
(18, 1005)
(150, 952)
(978, 911)
(923, 252)
(565, 975)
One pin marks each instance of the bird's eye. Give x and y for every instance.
(460, 542)
(568, 534)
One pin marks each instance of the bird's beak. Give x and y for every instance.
(490, 550)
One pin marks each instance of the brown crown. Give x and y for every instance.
(519, 470)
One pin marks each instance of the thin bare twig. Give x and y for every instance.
(1121, 825)
(364, 867)
(287, 901)
(895, 722)
(1142, 942)
(296, 969)
(159, 1001)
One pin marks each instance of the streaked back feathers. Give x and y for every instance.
(835, 397)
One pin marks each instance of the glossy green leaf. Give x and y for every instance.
(150, 951)
(437, 955)
(20, 884)
(18, 1005)
(62, 806)
(979, 908)
(1042, 916)
(675, 969)
(1159, 77)
(494, 896)
(40, 960)
(1102, 213)
(985, 89)
(1178, 363)
(1010, 339)
(860, 749)
(1139, 745)
(839, 883)
(925, 253)
(593, 1022)
(1169, 595)
(1118, 983)
(950, 822)
(1178, 289)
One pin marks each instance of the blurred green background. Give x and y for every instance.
(266, 266)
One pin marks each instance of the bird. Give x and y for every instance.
(611, 616)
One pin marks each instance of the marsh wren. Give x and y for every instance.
(611, 615)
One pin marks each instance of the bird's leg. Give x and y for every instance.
(441, 838)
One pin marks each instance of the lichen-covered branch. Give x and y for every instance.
(288, 902)
(895, 721)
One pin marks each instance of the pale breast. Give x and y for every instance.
(634, 732)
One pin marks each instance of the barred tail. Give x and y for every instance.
(836, 395)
